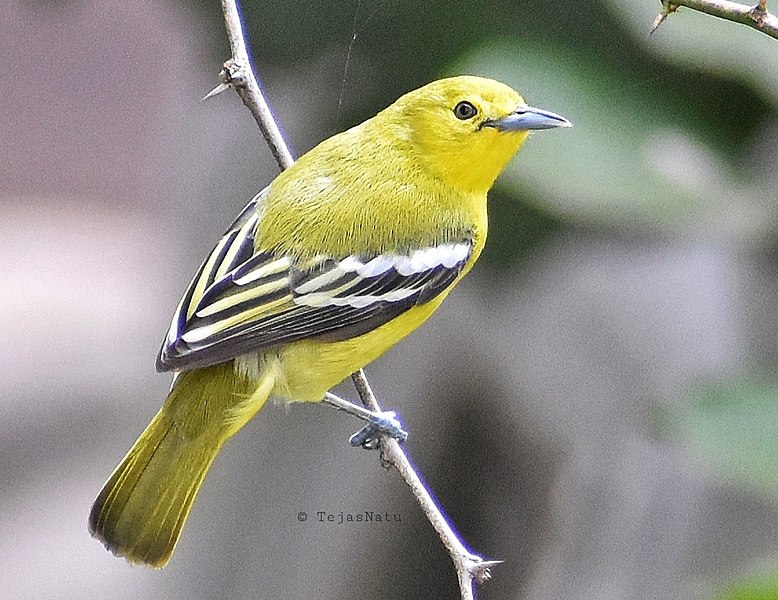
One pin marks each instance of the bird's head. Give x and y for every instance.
(466, 129)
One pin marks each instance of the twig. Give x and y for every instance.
(470, 568)
(237, 73)
(753, 16)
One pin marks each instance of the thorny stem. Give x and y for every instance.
(238, 73)
(752, 16)
(470, 568)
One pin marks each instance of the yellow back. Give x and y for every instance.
(413, 174)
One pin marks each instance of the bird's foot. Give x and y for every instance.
(384, 422)
(379, 423)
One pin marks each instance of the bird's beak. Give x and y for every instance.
(527, 118)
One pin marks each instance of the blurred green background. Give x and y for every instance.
(597, 404)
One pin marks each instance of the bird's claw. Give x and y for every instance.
(369, 437)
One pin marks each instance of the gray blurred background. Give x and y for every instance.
(596, 405)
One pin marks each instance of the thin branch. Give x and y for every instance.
(237, 73)
(470, 567)
(753, 16)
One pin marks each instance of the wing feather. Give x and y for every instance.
(241, 301)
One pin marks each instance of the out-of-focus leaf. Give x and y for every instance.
(757, 587)
(734, 427)
(517, 229)
(630, 159)
(699, 41)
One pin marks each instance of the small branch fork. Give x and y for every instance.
(753, 16)
(238, 74)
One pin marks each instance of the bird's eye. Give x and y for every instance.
(464, 111)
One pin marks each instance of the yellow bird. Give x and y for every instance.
(338, 259)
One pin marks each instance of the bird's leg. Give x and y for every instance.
(378, 423)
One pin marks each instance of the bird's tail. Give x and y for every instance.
(142, 508)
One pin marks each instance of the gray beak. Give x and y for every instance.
(526, 118)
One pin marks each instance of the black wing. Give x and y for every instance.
(242, 300)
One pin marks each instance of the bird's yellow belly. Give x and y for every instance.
(305, 370)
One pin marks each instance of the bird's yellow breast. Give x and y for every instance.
(305, 370)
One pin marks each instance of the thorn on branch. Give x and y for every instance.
(660, 18)
(483, 571)
(755, 16)
(667, 9)
(232, 75)
(759, 12)
(216, 91)
(472, 570)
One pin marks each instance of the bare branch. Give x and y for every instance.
(237, 73)
(470, 567)
(753, 16)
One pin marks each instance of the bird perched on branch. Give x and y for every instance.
(339, 258)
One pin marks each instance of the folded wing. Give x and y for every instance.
(242, 301)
